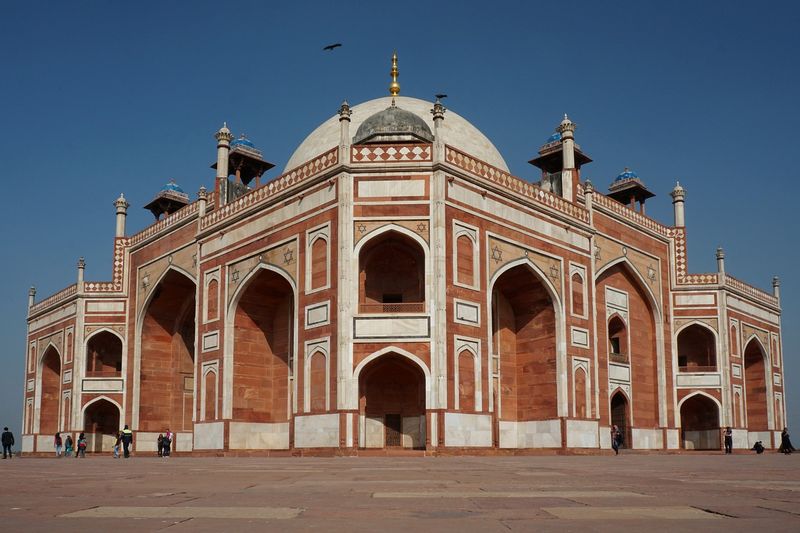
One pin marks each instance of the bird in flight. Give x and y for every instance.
(332, 46)
(440, 96)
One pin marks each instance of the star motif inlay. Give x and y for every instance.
(421, 227)
(361, 228)
(554, 272)
(235, 276)
(146, 281)
(288, 256)
(651, 273)
(497, 254)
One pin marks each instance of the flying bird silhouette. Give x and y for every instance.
(332, 46)
(440, 96)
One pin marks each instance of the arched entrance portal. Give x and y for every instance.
(524, 340)
(755, 379)
(263, 342)
(392, 403)
(167, 362)
(700, 423)
(101, 423)
(51, 392)
(620, 415)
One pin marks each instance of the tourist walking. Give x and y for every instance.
(728, 440)
(8, 443)
(127, 440)
(616, 438)
(160, 444)
(786, 443)
(117, 442)
(58, 444)
(68, 446)
(81, 452)
(167, 442)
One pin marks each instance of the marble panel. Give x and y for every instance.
(467, 430)
(316, 431)
(582, 434)
(259, 436)
(209, 436)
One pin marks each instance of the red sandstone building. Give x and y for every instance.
(397, 287)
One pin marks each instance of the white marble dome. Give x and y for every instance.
(455, 130)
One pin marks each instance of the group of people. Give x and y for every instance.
(69, 447)
(164, 443)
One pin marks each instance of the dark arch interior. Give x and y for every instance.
(755, 387)
(51, 391)
(103, 355)
(700, 423)
(391, 274)
(620, 416)
(101, 423)
(697, 349)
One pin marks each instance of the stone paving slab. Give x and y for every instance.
(585, 493)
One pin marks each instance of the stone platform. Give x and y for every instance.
(632, 492)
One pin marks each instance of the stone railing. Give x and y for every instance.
(690, 369)
(514, 184)
(629, 214)
(748, 290)
(405, 307)
(50, 301)
(163, 224)
(618, 358)
(273, 187)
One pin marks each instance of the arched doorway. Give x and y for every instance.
(104, 355)
(755, 378)
(620, 417)
(167, 356)
(700, 423)
(392, 403)
(524, 341)
(51, 392)
(391, 277)
(101, 423)
(697, 349)
(263, 343)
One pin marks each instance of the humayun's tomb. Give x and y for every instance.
(396, 288)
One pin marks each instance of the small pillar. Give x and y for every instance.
(588, 195)
(678, 198)
(720, 260)
(31, 296)
(122, 213)
(81, 269)
(567, 131)
(224, 138)
(438, 116)
(344, 131)
(202, 199)
(776, 288)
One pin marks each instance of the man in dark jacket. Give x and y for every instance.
(127, 440)
(8, 442)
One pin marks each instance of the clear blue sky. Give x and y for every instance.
(98, 98)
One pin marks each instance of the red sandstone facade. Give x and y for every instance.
(398, 291)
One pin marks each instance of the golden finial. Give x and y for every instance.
(394, 87)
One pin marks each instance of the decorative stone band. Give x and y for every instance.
(748, 290)
(56, 298)
(390, 153)
(293, 177)
(514, 184)
(625, 212)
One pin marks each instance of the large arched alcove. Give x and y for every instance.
(104, 355)
(263, 343)
(101, 423)
(167, 356)
(621, 416)
(391, 275)
(392, 403)
(700, 423)
(51, 392)
(620, 290)
(755, 378)
(697, 349)
(524, 339)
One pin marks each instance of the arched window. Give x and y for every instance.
(734, 340)
(210, 398)
(697, 349)
(466, 381)
(103, 355)
(212, 299)
(392, 275)
(577, 295)
(465, 271)
(581, 409)
(318, 382)
(319, 263)
(617, 340)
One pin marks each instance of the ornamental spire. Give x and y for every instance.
(394, 87)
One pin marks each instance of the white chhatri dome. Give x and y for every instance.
(455, 130)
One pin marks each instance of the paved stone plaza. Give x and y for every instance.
(542, 493)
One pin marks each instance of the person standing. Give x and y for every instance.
(160, 445)
(127, 440)
(167, 443)
(116, 445)
(616, 438)
(8, 443)
(68, 446)
(58, 443)
(81, 446)
(786, 442)
(728, 440)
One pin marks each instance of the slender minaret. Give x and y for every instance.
(224, 138)
(81, 268)
(202, 198)
(720, 260)
(678, 197)
(344, 131)
(31, 296)
(776, 288)
(567, 131)
(438, 116)
(122, 212)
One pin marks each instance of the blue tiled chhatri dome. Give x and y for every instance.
(626, 175)
(553, 138)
